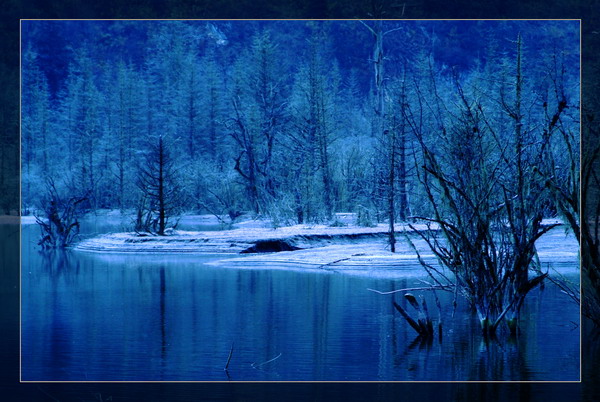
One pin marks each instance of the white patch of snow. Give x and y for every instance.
(348, 249)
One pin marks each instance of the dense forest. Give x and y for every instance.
(297, 120)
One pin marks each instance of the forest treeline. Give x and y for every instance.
(296, 120)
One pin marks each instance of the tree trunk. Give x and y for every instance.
(402, 173)
(378, 59)
(391, 189)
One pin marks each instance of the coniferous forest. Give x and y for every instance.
(297, 120)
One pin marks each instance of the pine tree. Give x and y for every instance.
(160, 191)
(258, 113)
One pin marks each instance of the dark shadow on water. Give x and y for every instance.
(60, 264)
(422, 342)
(502, 356)
(415, 356)
(54, 261)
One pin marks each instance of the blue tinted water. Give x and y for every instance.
(110, 317)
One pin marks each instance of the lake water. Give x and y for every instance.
(114, 317)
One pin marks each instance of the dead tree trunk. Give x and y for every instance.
(60, 223)
(391, 192)
(380, 116)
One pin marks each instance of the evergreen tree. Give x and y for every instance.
(258, 112)
(36, 131)
(161, 197)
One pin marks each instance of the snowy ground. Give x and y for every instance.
(349, 248)
(229, 241)
(555, 247)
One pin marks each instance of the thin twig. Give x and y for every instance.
(229, 358)
(333, 262)
(432, 287)
(254, 365)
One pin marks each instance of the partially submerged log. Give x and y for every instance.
(408, 318)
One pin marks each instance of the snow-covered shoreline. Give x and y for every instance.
(230, 241)
(243, 239)
(348, 249)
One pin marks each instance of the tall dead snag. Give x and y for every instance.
(390, 190)
(60, 223)
(387, 136)
(488, 203)
(399, 151)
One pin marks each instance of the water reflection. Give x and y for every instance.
(163, 336)
(126, 317)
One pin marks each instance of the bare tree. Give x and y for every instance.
(488, 202)
(60, 223)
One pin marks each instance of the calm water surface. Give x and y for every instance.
(91, 317)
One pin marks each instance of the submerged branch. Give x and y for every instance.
(408, 319)
(254, 365)
(432, 287)
(229, 357)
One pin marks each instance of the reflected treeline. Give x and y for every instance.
(175, 319)
(163, 334)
